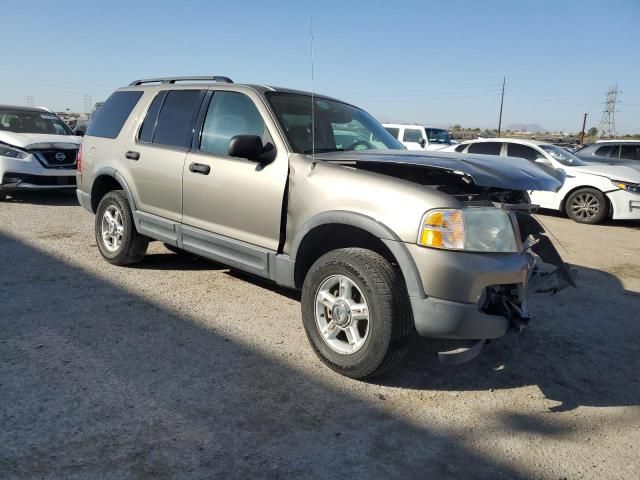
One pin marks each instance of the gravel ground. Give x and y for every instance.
(180, 368)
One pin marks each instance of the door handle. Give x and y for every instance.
(200, 168)
(132, 155)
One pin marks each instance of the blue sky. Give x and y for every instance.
(410, 61)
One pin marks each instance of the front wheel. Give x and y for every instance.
(587, 205)
(355, 312)
(118, 240)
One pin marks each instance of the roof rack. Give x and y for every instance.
(211, 78)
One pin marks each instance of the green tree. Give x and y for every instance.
(593, 131)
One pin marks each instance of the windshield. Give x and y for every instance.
(438, 135)
(338, 126)
(562, 155)
(32, 121)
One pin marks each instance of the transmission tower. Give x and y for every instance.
(29, 101)
(607, 127)
(88, 103)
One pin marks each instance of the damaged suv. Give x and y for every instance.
(314, 194)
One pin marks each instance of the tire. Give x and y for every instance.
(587, 205)
(382, 341)
(131, 246)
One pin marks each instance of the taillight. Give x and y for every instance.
(79, 159)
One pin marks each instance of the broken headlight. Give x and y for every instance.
(629, 187)
(475, 229)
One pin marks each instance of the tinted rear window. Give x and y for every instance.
(603, 151)
(459, 148)
(176, 116)
(149, 124)
(486, 148)
(522, 151)
(108, 121)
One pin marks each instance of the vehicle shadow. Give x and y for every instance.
(581, 349)
(98, 382)
(63, 198)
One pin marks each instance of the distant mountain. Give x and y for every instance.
(526, 127)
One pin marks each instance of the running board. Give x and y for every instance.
(461, 355)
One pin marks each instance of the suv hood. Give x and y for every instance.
(29, 140)
(484, 170)
(614, 172)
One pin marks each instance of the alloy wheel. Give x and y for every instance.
(342, 314)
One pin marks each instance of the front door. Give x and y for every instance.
(233, 198)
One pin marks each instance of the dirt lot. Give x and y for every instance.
(179, 368)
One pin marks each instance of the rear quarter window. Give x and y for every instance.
(108, 121)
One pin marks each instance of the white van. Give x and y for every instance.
(419, 137)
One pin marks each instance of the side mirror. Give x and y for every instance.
(79, 132)
(422, 142)
(246, 146)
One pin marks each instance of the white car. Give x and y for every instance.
(419, 137)
(38, 150)
(591, 191)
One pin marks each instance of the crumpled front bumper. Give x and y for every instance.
(479, 297)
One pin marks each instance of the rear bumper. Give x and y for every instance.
(626, 205)
(85, 200)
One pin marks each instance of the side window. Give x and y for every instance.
(460, 148)
(177, 114)
(393, 131)
(412, 135)
(230, 114)
(522, 151)
(630, 152)
(615, 151)
(149, 123)
(108, 121)
(486, 148)
(603, 151)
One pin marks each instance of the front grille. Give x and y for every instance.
(11, 179)
(57, 158)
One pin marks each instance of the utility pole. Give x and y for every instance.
(504, 80)
(584, 124)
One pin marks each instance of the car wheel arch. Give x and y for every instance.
(106, 182)
(340, 229)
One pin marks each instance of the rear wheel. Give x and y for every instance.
(118, 240)
(587, 205)
(355, 312)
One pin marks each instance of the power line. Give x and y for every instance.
(30, 102)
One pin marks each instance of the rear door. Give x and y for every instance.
(237, 200)
(154, 160)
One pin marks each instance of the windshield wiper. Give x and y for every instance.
(322, 150)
